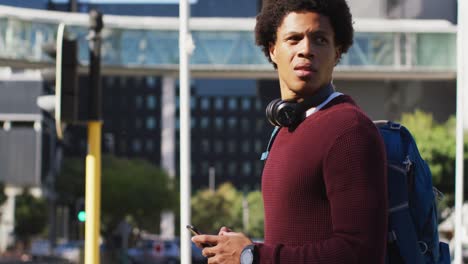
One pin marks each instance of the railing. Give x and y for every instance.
(150, 44)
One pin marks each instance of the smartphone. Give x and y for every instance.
(197, 232)
(194, 230)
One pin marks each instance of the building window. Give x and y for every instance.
(205, 145)
(258, 105)
(193, 122)
(205, 166)
(151, 102)
(218, 167)
(232, 104)
(246, 168)
(245, 124)
(246, 104)
(150, 123)
(205, 103)
(151, 82)
(246, 146)
(204, 122)
(219, 123)
(138, 101)
(218, 146)
(259, 124)
(219, 103)
(232, 123)
(136, 146)
(138, 123)
(193, 102)
(193, 169)
(258, 146)
(231, 146)
(149, 145)
(232, 169)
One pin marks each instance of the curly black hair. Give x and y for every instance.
(274, 11)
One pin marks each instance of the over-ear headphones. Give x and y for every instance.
(290, 113)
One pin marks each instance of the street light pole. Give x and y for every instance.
(462, 60)
(93, 158)
(184, 72)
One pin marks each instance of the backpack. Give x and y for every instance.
(413, 236)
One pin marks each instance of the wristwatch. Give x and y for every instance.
(249, 255)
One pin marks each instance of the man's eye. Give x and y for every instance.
(293, 39)
(321, 40)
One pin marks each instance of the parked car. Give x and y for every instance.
(70, 251)
(40, 248)
(156, 251)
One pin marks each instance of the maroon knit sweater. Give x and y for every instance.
(325, 190)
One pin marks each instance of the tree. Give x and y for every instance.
(30, 216)
(256, 214)
(135, 189)
(213, 209)
(131, 189)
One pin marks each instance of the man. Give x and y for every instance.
(324, 182)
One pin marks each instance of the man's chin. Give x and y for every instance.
(306, 88)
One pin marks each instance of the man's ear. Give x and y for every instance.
(272, 50)
(337, 55)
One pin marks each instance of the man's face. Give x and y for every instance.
(305, 53)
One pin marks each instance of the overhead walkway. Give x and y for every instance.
(225, 47)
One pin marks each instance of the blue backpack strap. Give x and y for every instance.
(270, 143)
(400, 224)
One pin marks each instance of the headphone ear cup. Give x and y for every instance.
(281, 113)
(271, 111)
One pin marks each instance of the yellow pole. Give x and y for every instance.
(93, 193)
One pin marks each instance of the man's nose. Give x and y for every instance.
(305, 48)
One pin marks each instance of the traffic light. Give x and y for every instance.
(65, 102)
(80, 212)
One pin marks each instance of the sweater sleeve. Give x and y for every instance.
(355, 179)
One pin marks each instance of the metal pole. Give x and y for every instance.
(73, 5)
(93, 159)
(184, 75)
(52, 194)
(95, 26)
(93, 193)
(461, 84)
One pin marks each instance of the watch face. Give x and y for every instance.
(247, 257)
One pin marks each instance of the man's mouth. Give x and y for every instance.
(304, 70)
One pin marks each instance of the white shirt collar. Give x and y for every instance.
(312, 110)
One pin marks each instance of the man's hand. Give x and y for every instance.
(227, 247)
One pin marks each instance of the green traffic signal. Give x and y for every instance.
(82, 216)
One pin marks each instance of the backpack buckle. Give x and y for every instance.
(394, 126)
(408, 163)
(438, 194)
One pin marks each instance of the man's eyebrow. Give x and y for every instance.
(316, 32)
(321, 32)
(289, 33)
